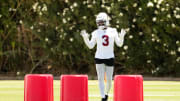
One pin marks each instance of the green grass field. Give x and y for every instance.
(13, 90)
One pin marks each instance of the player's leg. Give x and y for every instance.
(100, 68)
(109, 69)
(109, 76)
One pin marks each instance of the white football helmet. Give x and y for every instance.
(102, 20)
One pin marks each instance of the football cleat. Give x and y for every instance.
(106, 97)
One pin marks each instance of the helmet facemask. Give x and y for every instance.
(101, 24)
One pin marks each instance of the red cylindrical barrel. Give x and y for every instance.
(74, 88)
(38, 87)
(128, 88)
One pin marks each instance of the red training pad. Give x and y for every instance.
(128, 88)
(38, 87)
(74, 88)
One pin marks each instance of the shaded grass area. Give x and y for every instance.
(13, 90)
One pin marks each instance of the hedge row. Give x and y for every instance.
(43, 36)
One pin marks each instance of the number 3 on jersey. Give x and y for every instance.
(105, 40)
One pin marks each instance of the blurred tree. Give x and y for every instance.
(42, 36)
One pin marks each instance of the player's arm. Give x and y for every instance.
(119, 39)
(90, 43)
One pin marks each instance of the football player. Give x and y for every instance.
(104, 37)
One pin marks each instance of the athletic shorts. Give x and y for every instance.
(108, 62)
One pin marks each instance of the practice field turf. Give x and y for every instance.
(13, 90)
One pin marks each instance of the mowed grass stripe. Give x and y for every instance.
(13, 90)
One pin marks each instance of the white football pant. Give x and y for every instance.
(101, 70)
